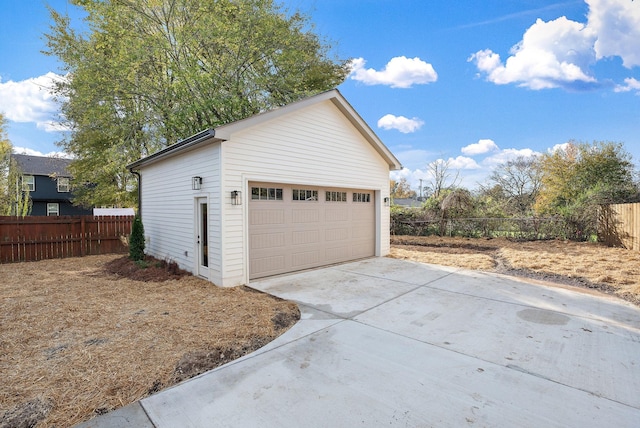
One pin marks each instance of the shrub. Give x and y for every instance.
(136, 241)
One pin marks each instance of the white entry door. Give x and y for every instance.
(202, 237)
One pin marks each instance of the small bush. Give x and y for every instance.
(142, 264)
(136, 241)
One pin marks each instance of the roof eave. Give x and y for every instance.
(181, 146)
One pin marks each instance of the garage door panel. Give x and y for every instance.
(337, 234)
(268, 240)
(336, 254)
(267, 216)
(361, 250)
(362, 232)
(291, 233)
(305, 215)
(302, 237)
(336, 214)
(269, 265)
(305, 259)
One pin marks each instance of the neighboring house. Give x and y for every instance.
(114, 212)
(407, 202)
(297, 187)
(48, 182)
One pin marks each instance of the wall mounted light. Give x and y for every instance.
(196, 183)
(386, 201)
(236, 197)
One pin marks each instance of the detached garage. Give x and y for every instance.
(298, 187)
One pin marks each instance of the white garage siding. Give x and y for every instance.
(168, 207)
(314, 146)
(319, 142)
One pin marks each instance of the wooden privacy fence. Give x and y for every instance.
(34, 238)
(619, 225)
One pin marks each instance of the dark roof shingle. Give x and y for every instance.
(41, 165)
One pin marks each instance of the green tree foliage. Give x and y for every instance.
(5, 159)
(151, 72)
(579, 177)
(136, 240)
(14, 200)
(401, 189)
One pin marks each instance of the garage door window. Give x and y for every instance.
(361, 197)
(305, 195)
(266, 193)
(336, 196)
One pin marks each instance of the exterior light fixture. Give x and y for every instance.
(386, 201)
(236, 197)
(196, 183)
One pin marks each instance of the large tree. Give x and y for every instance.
(401, 189)
(14, 200)
(150, 72)
(5, 159)
(579, 177)
(440, 177)
(519, 181)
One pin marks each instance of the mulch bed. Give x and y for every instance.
(81, 337)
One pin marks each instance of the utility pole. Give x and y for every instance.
(421, 189)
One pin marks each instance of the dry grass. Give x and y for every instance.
(76, 342)
(615, 270)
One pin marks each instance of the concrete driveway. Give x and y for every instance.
(385, 342)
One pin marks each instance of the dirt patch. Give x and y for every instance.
(149, 269)
(81, 337)
(614, 271)
(26, 415)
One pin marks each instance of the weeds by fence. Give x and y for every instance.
(38, 238)
(516, 228)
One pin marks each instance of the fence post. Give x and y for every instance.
(83, 244)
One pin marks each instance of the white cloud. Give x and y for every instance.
(481, 147)
(559, 53)
(551, 54)
(30, 100)
(462, 162)
(558, 147)
(31, 152)
(506, 155)
(631, 84)
(401, 123)
(617, 24)
(400, 72)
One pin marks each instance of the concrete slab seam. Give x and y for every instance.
(257, 352)
(390, 279)
(147, 414)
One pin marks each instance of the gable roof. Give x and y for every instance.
(224, 132)
(42, 165)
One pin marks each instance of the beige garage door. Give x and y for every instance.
(299, 227)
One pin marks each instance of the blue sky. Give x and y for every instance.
(471, 82)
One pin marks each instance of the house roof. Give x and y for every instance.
(407, 202)
(224, 132)
(42, 165)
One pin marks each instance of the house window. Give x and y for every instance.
(63, 184)
(305, 195)
(53, 209)
(361, 197)
(266, 193)
(336, 196)
(29, 183)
